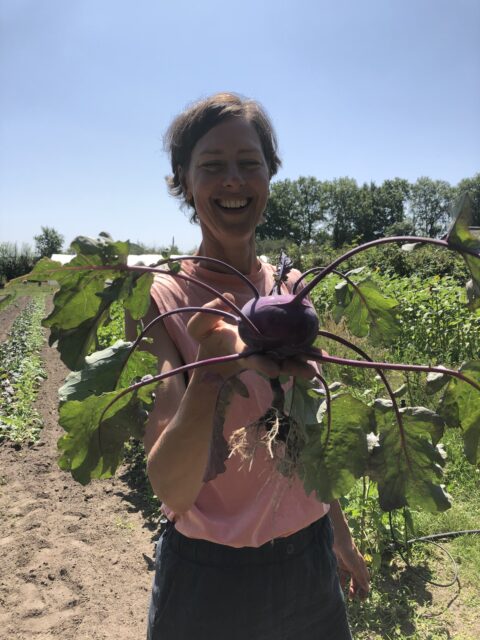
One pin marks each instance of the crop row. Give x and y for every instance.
(21, 373)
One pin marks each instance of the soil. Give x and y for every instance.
(76, 562)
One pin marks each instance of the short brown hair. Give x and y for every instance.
(193, 123)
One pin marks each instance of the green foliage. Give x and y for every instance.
(332, 459)
(15, 262)
(365, 308)
(89, 285)
(21, 374)
(97, 421)
(430, 203)
(294, 210)
(48, 242)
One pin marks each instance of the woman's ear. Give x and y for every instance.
(182, 177)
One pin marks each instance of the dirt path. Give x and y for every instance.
(75, 561)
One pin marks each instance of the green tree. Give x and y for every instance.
(430, 205)
(342, 203)
(295, 210)
(472, 186)
(48, 242)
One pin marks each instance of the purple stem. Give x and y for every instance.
(442, 243)
(172, 312)
(317, 355)
(204, 286)
(162, 316)
(218, 262)
(186, 367)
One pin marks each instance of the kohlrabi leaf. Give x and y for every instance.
(330, 464)
(108, 370)
(93, 449)
(461, 237)
(137, 296)
(302, 402)
(408, 469)
(87, 290)
(367, 311)
(107, 249)
(436, 382)
(460, 407)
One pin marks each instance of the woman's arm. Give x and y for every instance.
(351, 564)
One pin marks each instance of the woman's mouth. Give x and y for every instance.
(233, 204)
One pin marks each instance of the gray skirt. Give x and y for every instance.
(287, 589)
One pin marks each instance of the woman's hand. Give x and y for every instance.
(352, 570)
(218, 338)
(352, 567)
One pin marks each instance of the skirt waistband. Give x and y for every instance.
(277, 550)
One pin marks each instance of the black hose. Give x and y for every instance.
(430, 539)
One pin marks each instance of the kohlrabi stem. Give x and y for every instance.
(186, 367)
(333, 265)
(396, 408)
(317, 355)
(220, 263)
(318, 270)
(162, 316)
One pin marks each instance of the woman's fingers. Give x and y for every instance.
(202, 324)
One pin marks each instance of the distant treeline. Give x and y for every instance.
(309, 211)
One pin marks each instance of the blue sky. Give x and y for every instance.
(369, 89)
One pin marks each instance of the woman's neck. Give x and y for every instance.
(242, 256)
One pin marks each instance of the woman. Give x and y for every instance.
(246, 554)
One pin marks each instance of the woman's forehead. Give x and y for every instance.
(236, 133)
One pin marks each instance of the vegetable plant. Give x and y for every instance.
(321, 432)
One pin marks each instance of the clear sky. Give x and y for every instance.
(369, 89)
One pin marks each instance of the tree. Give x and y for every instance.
(342, 202)
(48, 242)
(295, 210)
(430, 204)
(472, 187)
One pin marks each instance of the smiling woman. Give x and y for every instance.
(246, 552)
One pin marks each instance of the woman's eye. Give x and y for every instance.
(250, 163)
(211, 166)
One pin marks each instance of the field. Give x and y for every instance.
(77, 561)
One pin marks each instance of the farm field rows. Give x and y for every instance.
(76, 561)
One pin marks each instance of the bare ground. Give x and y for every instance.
(75, 561)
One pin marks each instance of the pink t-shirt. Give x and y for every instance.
(248, 504)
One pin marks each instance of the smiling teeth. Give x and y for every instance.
(232, 204)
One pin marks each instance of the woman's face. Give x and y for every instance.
(228, 180)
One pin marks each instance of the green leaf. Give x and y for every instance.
(331, 467)
(408, 472)
(137, 296)
(460, 407)
(436, 382)
(106, 371)
(94, 449)
(367, 311)
(460, 236)
(302, 401)
(81, 304)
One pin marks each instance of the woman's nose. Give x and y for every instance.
(233, 176)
